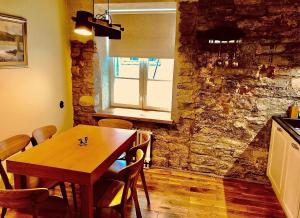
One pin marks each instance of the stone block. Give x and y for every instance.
(249, 24)
(247, 2)
(204, 169)
(295, 82)
(283, 9)
(75, 70)
(266, 49)
(75, 52)
(279, 60)
(87, 55)
(251, 10)
(86, 101)
(160, 161)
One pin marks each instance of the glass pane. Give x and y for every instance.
(159, 94)
(127, 67)
(160, 69)
(126, 91)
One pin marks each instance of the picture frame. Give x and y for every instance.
(13, 41)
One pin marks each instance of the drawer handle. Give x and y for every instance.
(295, 146)
(279, 129)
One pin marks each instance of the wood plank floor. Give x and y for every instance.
(177, 194)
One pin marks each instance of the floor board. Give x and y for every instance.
(177, 194)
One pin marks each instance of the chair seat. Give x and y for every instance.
(108, 193)
(107, 212)
(54, 206)
(35, 182)
(31, 182)
(113, 170)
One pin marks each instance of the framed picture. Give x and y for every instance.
(13, 48)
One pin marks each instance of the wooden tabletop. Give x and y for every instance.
(62, 155)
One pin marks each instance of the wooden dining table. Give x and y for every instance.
(62, 158)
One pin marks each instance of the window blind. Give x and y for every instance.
(145, 35)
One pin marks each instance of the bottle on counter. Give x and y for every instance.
(294, 111)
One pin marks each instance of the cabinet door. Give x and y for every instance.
(291, 188)
(277, 153)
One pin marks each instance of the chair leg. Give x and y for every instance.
(63, 191)
(35, 212)
(3, 212)
(97, 213)
(145, 186)
(136, 203)
(123, 211)
(74, 196)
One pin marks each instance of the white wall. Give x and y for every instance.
(30, 96)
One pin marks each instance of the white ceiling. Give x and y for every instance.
(140, 7)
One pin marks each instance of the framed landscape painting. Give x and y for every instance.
(13, 49)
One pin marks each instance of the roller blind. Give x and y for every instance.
(145, 36)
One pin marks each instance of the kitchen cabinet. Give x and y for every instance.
(291, 188)
(277, 154)
(284, 170)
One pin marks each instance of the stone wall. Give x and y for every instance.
(224, 125)
(83, 68)
(224, 114)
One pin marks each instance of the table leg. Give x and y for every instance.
(19, 181)
(86, 192)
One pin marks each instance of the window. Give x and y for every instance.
(144, 83)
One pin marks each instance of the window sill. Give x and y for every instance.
(138, 115)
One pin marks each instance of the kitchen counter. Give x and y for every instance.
(287, 127)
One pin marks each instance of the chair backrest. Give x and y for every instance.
(130, 174)
(115, 123)
(9, 147)
(145, 139)
(42, 134)
(13, 145)
(22, 198)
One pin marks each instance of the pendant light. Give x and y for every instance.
(82, 24)
(85, 22)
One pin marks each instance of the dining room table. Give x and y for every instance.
(64, 158)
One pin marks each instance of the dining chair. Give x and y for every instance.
(115, 123)
(9, 147)
(116, 192)
(118, 165)
(39, 136)
(36, 202)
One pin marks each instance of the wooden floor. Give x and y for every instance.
(176, 194)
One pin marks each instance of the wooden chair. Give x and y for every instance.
(9, 147)
(115, 123)
(118, 165)
(39, 136)
(42, 134)
(116, 192)
(34, 201)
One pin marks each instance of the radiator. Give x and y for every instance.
(147, 161)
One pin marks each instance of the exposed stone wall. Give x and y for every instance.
(83, 68)
(224, 114)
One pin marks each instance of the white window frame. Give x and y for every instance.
(143, 78)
